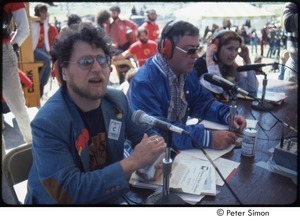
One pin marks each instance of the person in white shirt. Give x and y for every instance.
(11, 87)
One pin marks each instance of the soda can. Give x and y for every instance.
(249, 142)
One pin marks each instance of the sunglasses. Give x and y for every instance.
(190, 51)
(88, 61)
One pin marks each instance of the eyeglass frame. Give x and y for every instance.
(187, 51)
(107, 58)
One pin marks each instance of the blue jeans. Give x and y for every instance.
(44, 74)
(254, 43)
(281, 71)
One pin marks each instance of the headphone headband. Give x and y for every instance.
(166, 45)
(167, 29)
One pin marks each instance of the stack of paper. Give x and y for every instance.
(189, 175)
(193, 176)
(225, 166)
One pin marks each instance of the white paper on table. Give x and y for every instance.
(209, 185)
(188, 175)
(217, 126)
(190, 198)
(226, 167)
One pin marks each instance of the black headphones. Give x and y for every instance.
(166, 44)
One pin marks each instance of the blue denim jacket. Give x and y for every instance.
(59, 174)
(149, 92)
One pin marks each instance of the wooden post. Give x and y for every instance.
(30, 68)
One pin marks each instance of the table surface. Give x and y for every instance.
(253, 184)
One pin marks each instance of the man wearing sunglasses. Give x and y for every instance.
(79, 134)
(167, 87)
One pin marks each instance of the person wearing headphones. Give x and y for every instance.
(167, 87)
(220, 59)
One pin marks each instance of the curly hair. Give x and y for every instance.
(103, 16)
(85, 31)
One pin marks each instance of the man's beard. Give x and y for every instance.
(144, 41)
(85, 93)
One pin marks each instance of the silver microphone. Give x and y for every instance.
(140, 117)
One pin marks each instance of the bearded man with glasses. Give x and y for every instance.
(167, 87)
(79, 133)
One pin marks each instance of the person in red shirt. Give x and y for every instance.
(43, 35)
(141, 50)
(151, 25)
(122, 31)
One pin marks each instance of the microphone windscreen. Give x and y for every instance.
(242, 68)
(250, 67)
(136, 116)
(208, 77)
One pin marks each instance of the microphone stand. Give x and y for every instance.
(263, 105)
(165, 197)
(232, 99)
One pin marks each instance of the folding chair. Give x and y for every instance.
(16, 166)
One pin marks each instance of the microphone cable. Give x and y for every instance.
(288, 67)
(263, 129)
(194, 140)
(255, 118)
(276, 118)
(281, 121)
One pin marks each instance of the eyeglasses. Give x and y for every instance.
(190, 51)
(88, 61)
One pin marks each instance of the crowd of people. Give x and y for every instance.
(78, 135)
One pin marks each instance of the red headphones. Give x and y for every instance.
(215, 40)
(166, 45)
